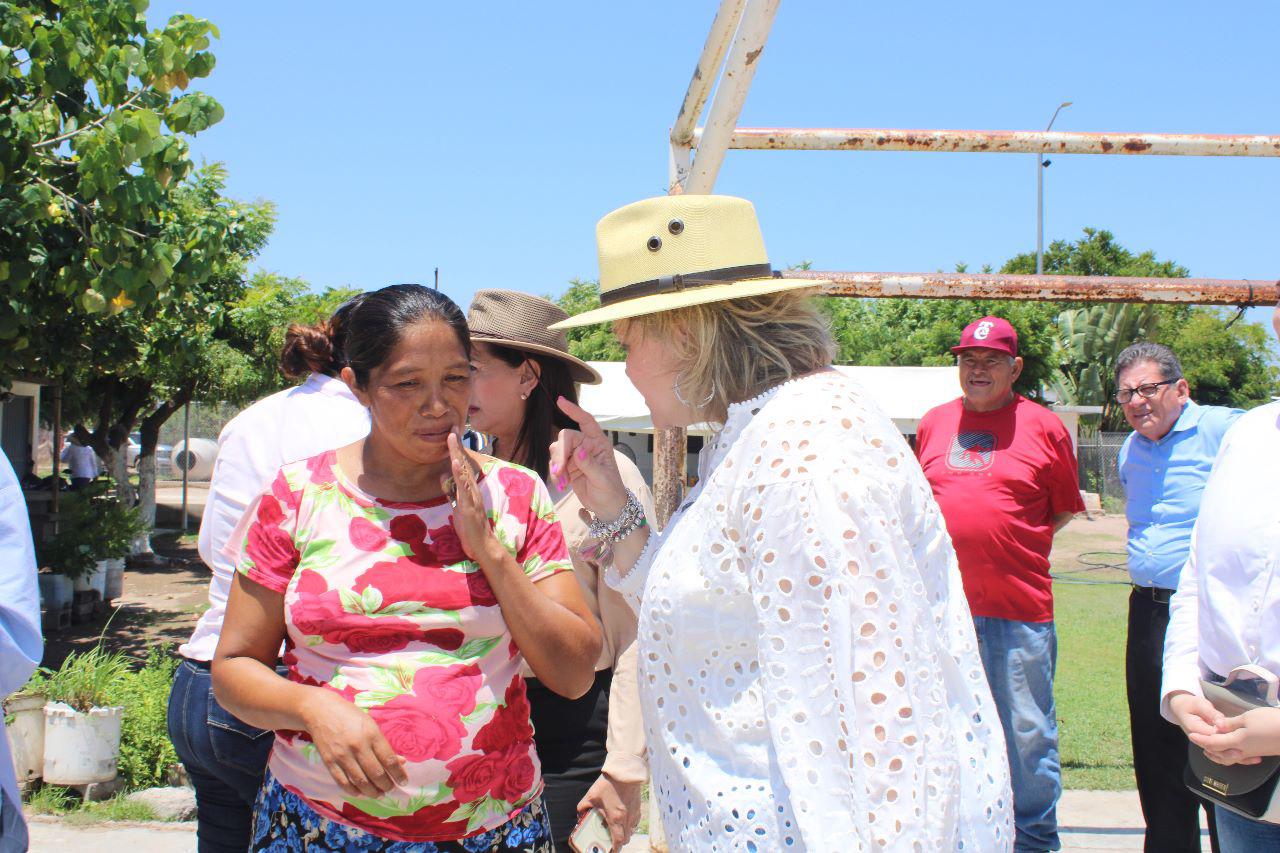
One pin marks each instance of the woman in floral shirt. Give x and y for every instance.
(409, 581)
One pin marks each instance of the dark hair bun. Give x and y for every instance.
(308, 349)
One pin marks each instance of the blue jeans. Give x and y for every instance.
(224, 757)
(1239, 834)
(1020, 658)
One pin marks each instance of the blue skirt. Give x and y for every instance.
(284, 823)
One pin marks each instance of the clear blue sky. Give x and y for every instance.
(487, 138)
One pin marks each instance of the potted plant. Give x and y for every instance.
(81, 732)
(118, 526)
(70, 553)
(24, 725)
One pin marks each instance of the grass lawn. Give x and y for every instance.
(1093, 713)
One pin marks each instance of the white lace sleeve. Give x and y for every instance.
(631, 585)
(848, 655)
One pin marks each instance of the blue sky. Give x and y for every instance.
(487, 138)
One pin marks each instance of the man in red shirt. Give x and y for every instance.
(1004, 473)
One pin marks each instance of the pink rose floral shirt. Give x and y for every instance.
(384, 608)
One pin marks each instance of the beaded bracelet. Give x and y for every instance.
(628, 521)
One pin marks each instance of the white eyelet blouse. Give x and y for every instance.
(808, 669)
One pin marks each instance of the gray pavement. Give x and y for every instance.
(1092, 821)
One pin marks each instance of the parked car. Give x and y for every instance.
(134, 449)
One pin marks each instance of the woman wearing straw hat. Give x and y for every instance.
(592, 749)
(808, 670)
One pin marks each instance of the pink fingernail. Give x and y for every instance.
(561, 483)
(582, 454)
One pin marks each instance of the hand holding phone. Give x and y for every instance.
(591, 835)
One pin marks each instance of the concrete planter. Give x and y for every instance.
(80, 748)
(26, 735)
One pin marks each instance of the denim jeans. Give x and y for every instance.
(1020, 658)
(224, 757)
(1239, 834)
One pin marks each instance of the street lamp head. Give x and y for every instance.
(1064, 104)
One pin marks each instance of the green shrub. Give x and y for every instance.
(145, 750)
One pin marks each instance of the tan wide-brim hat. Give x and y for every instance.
(680, 250)
(519, 321)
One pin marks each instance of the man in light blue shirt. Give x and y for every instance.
(21, 645)
(1164, 464)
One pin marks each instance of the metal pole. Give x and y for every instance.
(739, 70)
(1039, 214)
(1000, 141)
(704, 73)
(56, 479)
(186, 458)
(1040, 195)
(1047, 288)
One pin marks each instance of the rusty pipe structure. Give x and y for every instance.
(731, 94)
(1047, 288)
(1000, 141)
(704, 73)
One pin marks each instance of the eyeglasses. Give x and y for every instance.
(1146, 390)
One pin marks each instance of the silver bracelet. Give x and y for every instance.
(628, 521)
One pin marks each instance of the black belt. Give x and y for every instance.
(1158, 594)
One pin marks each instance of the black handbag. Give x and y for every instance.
(1252, 790)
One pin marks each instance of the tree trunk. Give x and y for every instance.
(146, 498)
(147, 464)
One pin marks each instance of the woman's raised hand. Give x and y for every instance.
(470, 519)
(583, 459)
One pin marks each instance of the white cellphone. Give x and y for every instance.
(591, 835)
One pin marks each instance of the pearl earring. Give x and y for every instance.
(524, 396)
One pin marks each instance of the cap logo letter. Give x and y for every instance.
(983, 330)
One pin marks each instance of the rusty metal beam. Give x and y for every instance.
(1000, 141)
(1047, 288)
(704, 73)
(731, 94)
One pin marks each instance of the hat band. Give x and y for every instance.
(689, 281)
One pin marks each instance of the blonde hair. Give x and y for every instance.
(736, 349)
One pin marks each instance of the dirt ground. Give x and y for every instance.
(161, 600)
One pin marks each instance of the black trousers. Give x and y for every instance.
(569, 735)
(1171, 811)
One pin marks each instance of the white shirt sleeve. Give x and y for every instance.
(846, 709)
(1182, 637)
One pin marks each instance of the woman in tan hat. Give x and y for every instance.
(591, 748)
(809, 675)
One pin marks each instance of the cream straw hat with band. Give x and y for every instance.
(519, 321)
(680, 250)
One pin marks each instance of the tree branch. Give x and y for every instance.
(91, 125)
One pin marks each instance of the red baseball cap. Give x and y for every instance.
(989, 333)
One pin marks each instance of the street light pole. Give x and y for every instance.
(1040, 164)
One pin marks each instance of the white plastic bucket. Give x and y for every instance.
(56, 591)
(114, 587)
(98, 578)
(26, 735)
(80, 748)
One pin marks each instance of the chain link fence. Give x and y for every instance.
(206, 422)
(1097, 455)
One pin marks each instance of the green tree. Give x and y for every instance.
(589, 343)
(922, 332)
(92, 147)
(1225, 363)
(137, 367)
